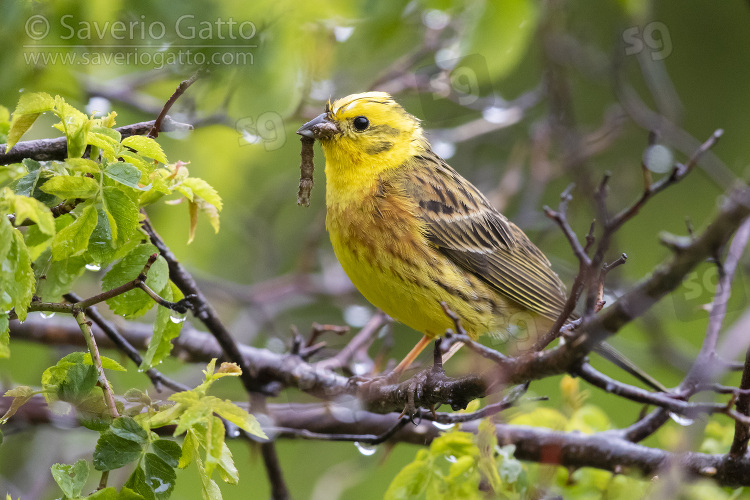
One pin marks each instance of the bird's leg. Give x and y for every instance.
(409, 359)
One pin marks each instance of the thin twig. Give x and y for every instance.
(122, 344)
(154, 132)
(109, 397)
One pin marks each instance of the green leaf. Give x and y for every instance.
(71, 187)
(127, 428)
(83, 165)
(233, 413)
(21, 396)
(74, 124)
(167, 450)
(60, 275)
(106, 494)
(29, 107)
(165, 330)
(145, 146)
(189, 449)
(4, 336)
(126, 174)
(410, 482)
(120, 445)
(74, 239)
(71, 478)
(69, 379)
(159, 476)
(123, 213)
(34, 210)
(16, 275)
(110, 147)
(107, 363)
(26, 185)
(135, 302)
(201, 188)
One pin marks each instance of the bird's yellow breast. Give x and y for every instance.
(381, 245)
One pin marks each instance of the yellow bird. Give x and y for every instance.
(411, 232)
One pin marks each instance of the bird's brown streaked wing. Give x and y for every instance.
(465, 227)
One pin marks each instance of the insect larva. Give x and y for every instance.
(306, 171)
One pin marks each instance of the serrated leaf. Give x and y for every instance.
(127, 428)
(215, 433)
(74, 124)
(113, 134)
(34, 210)
(74, 239)
(16, 275)
(69, 379)
(114, 451)
(26, 185)
(109, 146)
(126, 174)
(189, 449)
(192, 417)
(159, 476)
(83, 165)
(71, 478)
(29, 107)
(71, 187)
(146, 146)
(146, 167)
(135, 302)
(410, 482)
(107, 363)
(233, 413)
(165, 330)
(60, 275)
(201, 188)
(20, 395)
(122, 213)
(211, 211)
(167, 450)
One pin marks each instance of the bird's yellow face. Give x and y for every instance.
(363, 135)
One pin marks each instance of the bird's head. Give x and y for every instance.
(365, 134)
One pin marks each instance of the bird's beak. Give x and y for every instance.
(319, 127)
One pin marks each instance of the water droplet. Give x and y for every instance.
(681, 419)
(342, 33)
(93, 266)
(47, 314)
(658, 159)
(365, 449)
(443, 427)
(357, 316)
(233, 432)
(177, 318)
(435, 19)
(609, 387)
(451, 459)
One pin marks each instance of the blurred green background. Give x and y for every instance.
(521, 97)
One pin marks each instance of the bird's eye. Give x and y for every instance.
(361, 123)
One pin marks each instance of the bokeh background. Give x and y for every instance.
(521, 97)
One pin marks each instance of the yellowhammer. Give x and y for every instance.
(411, 232)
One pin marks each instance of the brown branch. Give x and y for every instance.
(56, 149)
(158, 123)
